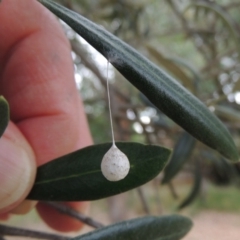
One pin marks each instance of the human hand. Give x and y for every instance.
(47, 116)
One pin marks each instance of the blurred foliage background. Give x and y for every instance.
(197, 42)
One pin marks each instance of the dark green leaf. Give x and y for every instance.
(162, 90)
(78, 177)
(4, 112)
(195, 189)
(148, 228)
(181, 154)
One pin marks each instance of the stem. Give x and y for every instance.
(143, 200)
(157, 197)
(173, 191)
(19, 232)
(73, 213)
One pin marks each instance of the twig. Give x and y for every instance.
(213, 102)
(186, 27)
(157, 197)
(173, 191)
(73, 213)
(69, 4)
(143, 200)
(231, 5)
(19, 232)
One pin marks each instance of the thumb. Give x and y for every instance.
(17, 168)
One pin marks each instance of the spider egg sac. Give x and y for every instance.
(115, 164)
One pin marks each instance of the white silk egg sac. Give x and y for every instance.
(115, 164)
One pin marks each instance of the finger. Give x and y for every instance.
(24, 207)
(37, 80)
(54, 219)
(17, 168)
(4, 216)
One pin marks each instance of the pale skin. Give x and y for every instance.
(47, 115)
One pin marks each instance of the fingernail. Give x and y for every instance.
(17, 173)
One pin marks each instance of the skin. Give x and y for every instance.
(47, 114)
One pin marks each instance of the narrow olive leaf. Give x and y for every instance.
(182, 151)
(78, 177)
(195, 188)
(4, 113)
(151, 228)
(162, 90)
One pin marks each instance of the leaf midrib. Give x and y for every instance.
(71, 176)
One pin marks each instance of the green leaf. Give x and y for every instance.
(161, 89)
(147, 228)
(4, 113)
(78, 177)
(181, 154)
(195, 189)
